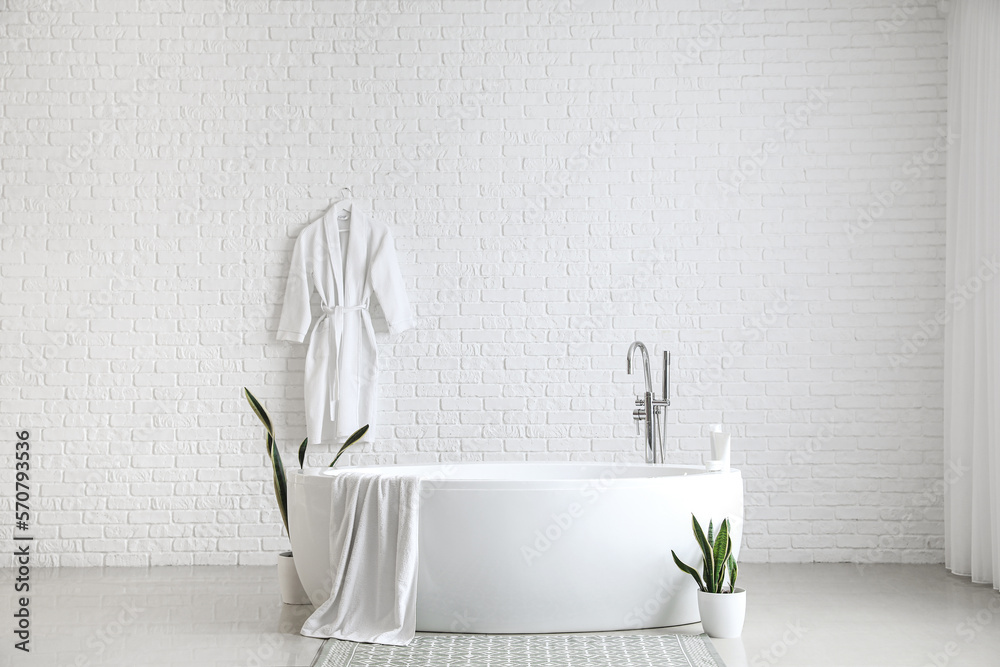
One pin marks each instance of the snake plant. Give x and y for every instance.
(353, 438)
(717, 557)
(277, 468)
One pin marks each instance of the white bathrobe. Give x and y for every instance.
(342, 360)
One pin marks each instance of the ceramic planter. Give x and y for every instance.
(288, 581)
(722, 614)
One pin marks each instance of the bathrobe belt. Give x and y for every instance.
(334, 316)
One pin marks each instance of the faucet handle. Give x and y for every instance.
(637, 416)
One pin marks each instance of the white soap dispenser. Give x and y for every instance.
(718, 460)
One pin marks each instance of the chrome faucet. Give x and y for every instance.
(648, 408)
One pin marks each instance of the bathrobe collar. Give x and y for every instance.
(349, 292)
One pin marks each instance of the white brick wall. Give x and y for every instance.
(753, 185)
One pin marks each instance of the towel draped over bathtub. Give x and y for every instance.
(373, 560)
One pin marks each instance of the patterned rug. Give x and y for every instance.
(580, 650)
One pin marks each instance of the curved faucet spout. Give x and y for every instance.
(648, 408)
(645, 363)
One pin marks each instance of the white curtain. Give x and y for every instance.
(972, 325)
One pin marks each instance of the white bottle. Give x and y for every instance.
(718, 459)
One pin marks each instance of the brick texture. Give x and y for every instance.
(758, 187)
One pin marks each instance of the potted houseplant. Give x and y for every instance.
(288, 579)
(722, 608)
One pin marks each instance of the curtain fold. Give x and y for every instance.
(972, 362)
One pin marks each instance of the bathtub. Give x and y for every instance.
(540, 547)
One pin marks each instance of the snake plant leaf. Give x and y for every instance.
(711, 540)
(261, 414)
(722, 549)
(688, 569)
(277, 469)
(357, 435)
(353, 438)
(280, 484)
(732, 573)
(302, 453)
(706, 552)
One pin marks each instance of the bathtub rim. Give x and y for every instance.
(446, 480)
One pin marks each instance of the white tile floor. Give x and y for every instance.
(798, 616)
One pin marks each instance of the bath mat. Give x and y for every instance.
(580, 650)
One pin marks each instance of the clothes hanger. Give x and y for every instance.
(344, 216)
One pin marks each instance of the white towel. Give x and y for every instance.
(373, 560)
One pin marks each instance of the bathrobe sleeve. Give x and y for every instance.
(387, 283)
(296, 314)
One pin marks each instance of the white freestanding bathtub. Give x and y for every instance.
(540, 547)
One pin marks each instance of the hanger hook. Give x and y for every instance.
(345, 193)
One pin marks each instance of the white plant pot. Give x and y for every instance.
(722, 614)
(288, 581)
